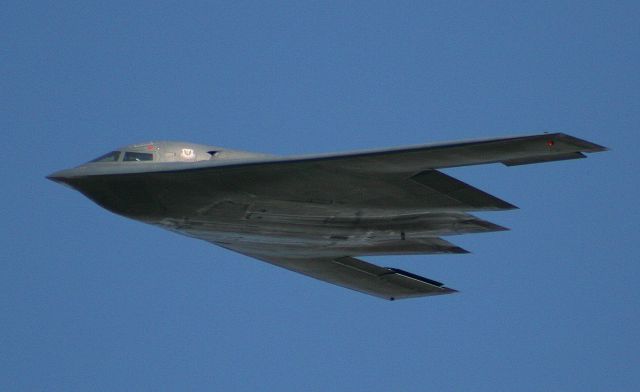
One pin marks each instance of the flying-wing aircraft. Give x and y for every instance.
(314, 214)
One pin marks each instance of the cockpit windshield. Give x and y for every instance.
(112, 156)
(130, 156)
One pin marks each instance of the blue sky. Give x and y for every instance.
(93, 301)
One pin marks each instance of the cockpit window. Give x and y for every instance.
(112, 156)
(137, 156)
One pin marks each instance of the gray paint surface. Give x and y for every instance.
(315, 214)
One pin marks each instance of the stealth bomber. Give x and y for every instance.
(316, 214)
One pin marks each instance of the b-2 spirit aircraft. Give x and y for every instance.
(314, 214)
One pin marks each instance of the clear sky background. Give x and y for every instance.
(93, 301)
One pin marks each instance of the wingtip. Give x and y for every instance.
(459, 251)
(442, 291)
(505, 206)
(447, 290)
(585, 144)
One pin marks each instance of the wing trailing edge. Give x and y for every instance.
(459, 191)
(355, 274)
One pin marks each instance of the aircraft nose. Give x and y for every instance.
(59, 176)
(63, 177)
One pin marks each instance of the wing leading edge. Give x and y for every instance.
(510, 151)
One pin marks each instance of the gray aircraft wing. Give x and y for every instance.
(511, 151)
(358, 275)
(332, 266)
(400, 178)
